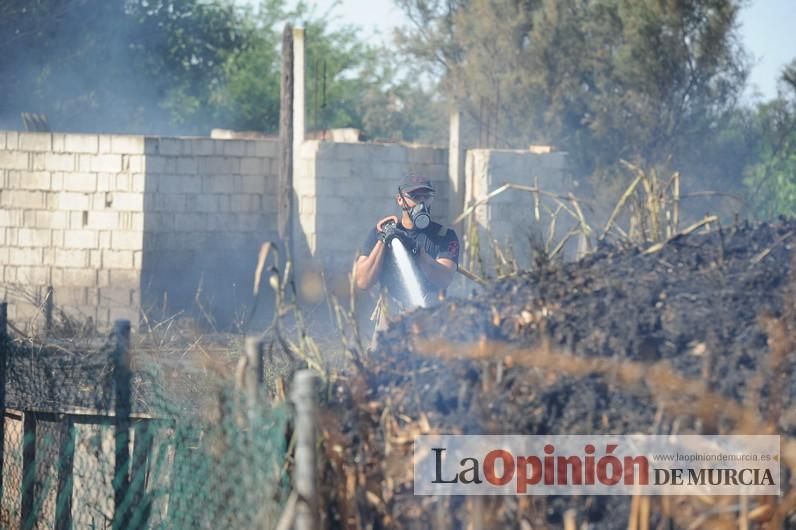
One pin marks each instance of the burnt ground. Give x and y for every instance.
(718, 309)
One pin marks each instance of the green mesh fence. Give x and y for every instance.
(199, 457)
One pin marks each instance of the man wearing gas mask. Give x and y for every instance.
(432, 249)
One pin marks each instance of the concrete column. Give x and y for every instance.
(298, 90)
(455, 168)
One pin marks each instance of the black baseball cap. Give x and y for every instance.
(413, 182)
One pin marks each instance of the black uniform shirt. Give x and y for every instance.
(438, 241)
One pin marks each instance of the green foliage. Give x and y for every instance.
(185, 66)
(602, 79)
(114, 65)
(772, 178)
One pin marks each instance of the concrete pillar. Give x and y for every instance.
(298, 90)
(455, 168)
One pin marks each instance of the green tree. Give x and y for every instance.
(114, 65)
(603, 79)
(772, 178)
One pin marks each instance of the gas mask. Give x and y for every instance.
(420, 213)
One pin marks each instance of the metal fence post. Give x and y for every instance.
(304, 400)
(28, 470)
(121, 376)
(66, 460)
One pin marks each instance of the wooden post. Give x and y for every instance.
(66, 458)
(3, 361)
(304, 401)
(48, 312)
(254, 376)
(28, 470)
(121, 376)
(285, 182)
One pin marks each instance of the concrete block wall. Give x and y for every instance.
(343, 189)
(508, 218)
(71, 216)
(109, 219)
(208, 204)
(115, 223)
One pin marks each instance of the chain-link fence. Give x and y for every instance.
(91, 440)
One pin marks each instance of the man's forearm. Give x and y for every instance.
(439, 274)
(367, 269)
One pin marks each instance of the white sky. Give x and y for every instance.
(768, 29)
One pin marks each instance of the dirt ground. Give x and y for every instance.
(698, 336)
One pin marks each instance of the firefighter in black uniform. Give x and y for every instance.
(433, 251)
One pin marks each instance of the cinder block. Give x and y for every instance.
(104, 239)
(59, 143)
(253, 166)
(186, 165)
(189, 222)
(80, 182)
(125, 278)
(203, 147)
(14, 160)
(234, 147)
(23, 199)
(103, 220)
(222, 183)
(35, 141)
(106, 163)
(24, 256)
(159, 164)
(58, 238)
(80, 277)
(126, 240)
(124, 313)
(117, 259)
(81, 143)
(12, 140)
(104, 144)
(95, 259)
(71, 257)
(170, 146)
(128, 201)
(2, 139)
(267, 148)
(138, 257)
(31, 180)
(191, 183)
(206, 203)
(67, 295)
(52, 219)
(127, 144)
(106, 182)
(56, 181)
(67, 200)
(134, 163)
(170, 202)
(33, 275)
(138, 183)
(245, 202)
(33, 237)
(217, 166)
(82, 239)
(54, 161)
(253, 183)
